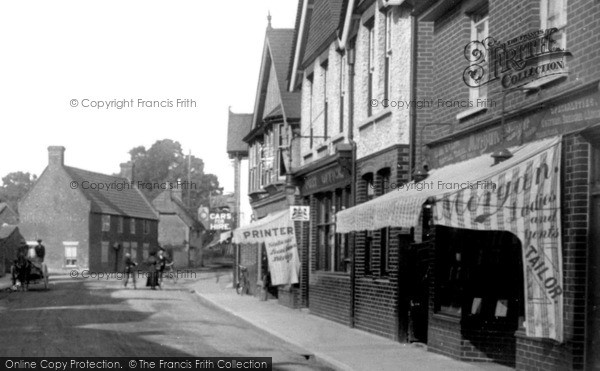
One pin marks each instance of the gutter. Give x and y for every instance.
(298, 47)
(342, 42)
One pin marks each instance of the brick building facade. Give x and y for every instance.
(556, 103)
(84, 227)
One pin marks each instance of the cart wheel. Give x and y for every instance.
(45, 271)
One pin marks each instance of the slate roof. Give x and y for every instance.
(238, 126)
(281, 43)
(126, 202)
(324, 23)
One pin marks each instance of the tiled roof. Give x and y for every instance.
(281, 45)
(238, 126)
(324, 22)
(127, 202)
(167, 203)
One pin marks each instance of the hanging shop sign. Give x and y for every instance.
(526, 202)
(556, 119)
(277, 232)
(220, 220)
(517, 62)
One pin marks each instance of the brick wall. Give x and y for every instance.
(55, 213)
(534, 354)
(376, 296)
(329, 293)
(441, 61)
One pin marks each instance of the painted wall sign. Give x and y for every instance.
(277, 233)
(557, 119)
(220, 220)
(325, 178)
(527, 203)
(517, 62)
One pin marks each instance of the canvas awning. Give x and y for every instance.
(401, 207)
(520, 195)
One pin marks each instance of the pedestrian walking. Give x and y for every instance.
(153, 270)
(129, 271)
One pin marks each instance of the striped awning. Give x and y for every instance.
(520, 195)
(401, 207)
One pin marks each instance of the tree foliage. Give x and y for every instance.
(165, 163)
(14, 186)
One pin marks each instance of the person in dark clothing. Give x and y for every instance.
(129, 265)
(40, 251)
(162, 263)
(153, 269)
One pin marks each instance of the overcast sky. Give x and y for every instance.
(53, 52)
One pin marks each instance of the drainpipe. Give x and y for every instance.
(351, 56)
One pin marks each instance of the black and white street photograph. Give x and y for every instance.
(323, 185)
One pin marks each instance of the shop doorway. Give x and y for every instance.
(419, 260)
(479, 281)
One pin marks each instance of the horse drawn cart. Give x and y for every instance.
(29, 269)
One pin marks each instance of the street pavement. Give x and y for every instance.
(87, 318)
(339, 346)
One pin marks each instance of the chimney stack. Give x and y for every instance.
(56, 156)
(127, 170)
(176, 191)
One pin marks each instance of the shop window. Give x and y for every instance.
(369, 195)
(479, 275)
(332, 249)
(105, 223)
(145, 250)
(384, 233)
(553, 14)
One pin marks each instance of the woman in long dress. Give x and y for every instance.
(152, 262)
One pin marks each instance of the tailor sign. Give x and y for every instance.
(517, 62)
(527, 203)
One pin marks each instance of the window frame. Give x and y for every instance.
(120, 224)
(69, 257)
(132, 226)
(478, 19)
(389, 17)
(563, 22)
(105, 222)
(371, 65)
(146, 226)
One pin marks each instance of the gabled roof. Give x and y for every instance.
(129, 201)
(166, 203)
(281, 44)
(239, 124)
(322, 29)
(276, 59)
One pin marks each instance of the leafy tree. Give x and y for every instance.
(165, 162)
(14, 186)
